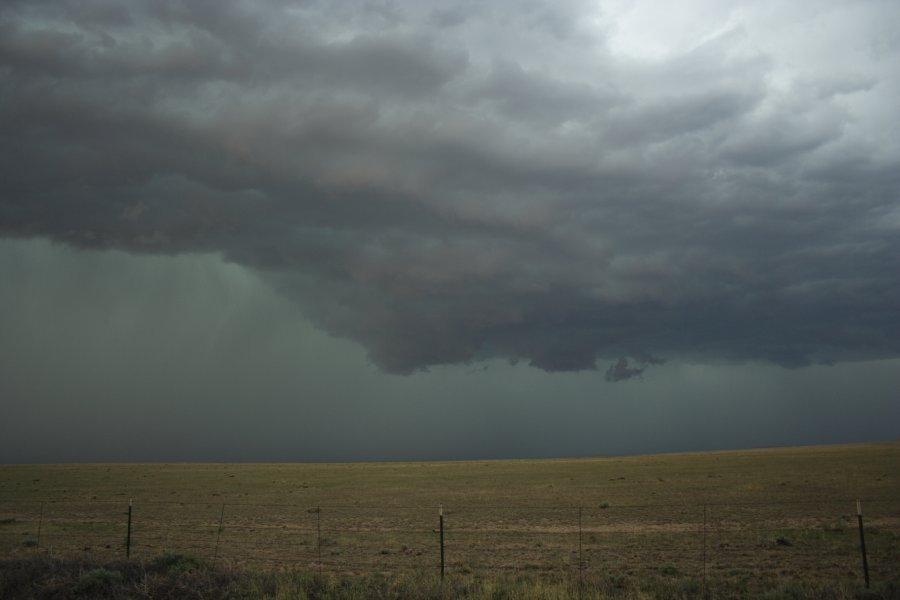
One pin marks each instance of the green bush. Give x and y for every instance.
(97, 581)
(176, 563)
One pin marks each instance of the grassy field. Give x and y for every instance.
(741, 518)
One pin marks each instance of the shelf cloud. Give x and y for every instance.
(546, 182)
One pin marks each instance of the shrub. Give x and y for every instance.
(670, 571)
(97, 581)
(175, 563)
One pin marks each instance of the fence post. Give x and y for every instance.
(441, 523)
(40, 525)
(862, 542)
(580, 556)
(705, 589)
(219, 534)
(128, 531)
(319, 537)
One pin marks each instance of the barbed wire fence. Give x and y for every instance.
(753, 541)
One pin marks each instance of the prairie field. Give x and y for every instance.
(737, 518)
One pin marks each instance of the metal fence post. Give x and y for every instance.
(219, 533)
(319, 537)
(705, 589)
(40, 525)
(580, 556)
(441, 523)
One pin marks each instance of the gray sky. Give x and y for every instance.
(350, 230)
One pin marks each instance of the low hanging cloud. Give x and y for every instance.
(544, 182)
(622, 370)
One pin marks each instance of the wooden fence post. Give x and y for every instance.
(128, 531)
(862, 542)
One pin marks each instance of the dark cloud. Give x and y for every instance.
(620, 370)
(445, 186)
(107, 356)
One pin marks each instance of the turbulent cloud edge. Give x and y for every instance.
(444, 186)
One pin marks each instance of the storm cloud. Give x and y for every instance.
(551, 182)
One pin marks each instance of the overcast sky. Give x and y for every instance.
(397, 230)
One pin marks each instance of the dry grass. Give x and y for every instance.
(743, 518)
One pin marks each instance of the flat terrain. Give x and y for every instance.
(739, 515)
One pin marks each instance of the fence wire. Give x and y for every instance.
(812, 540)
